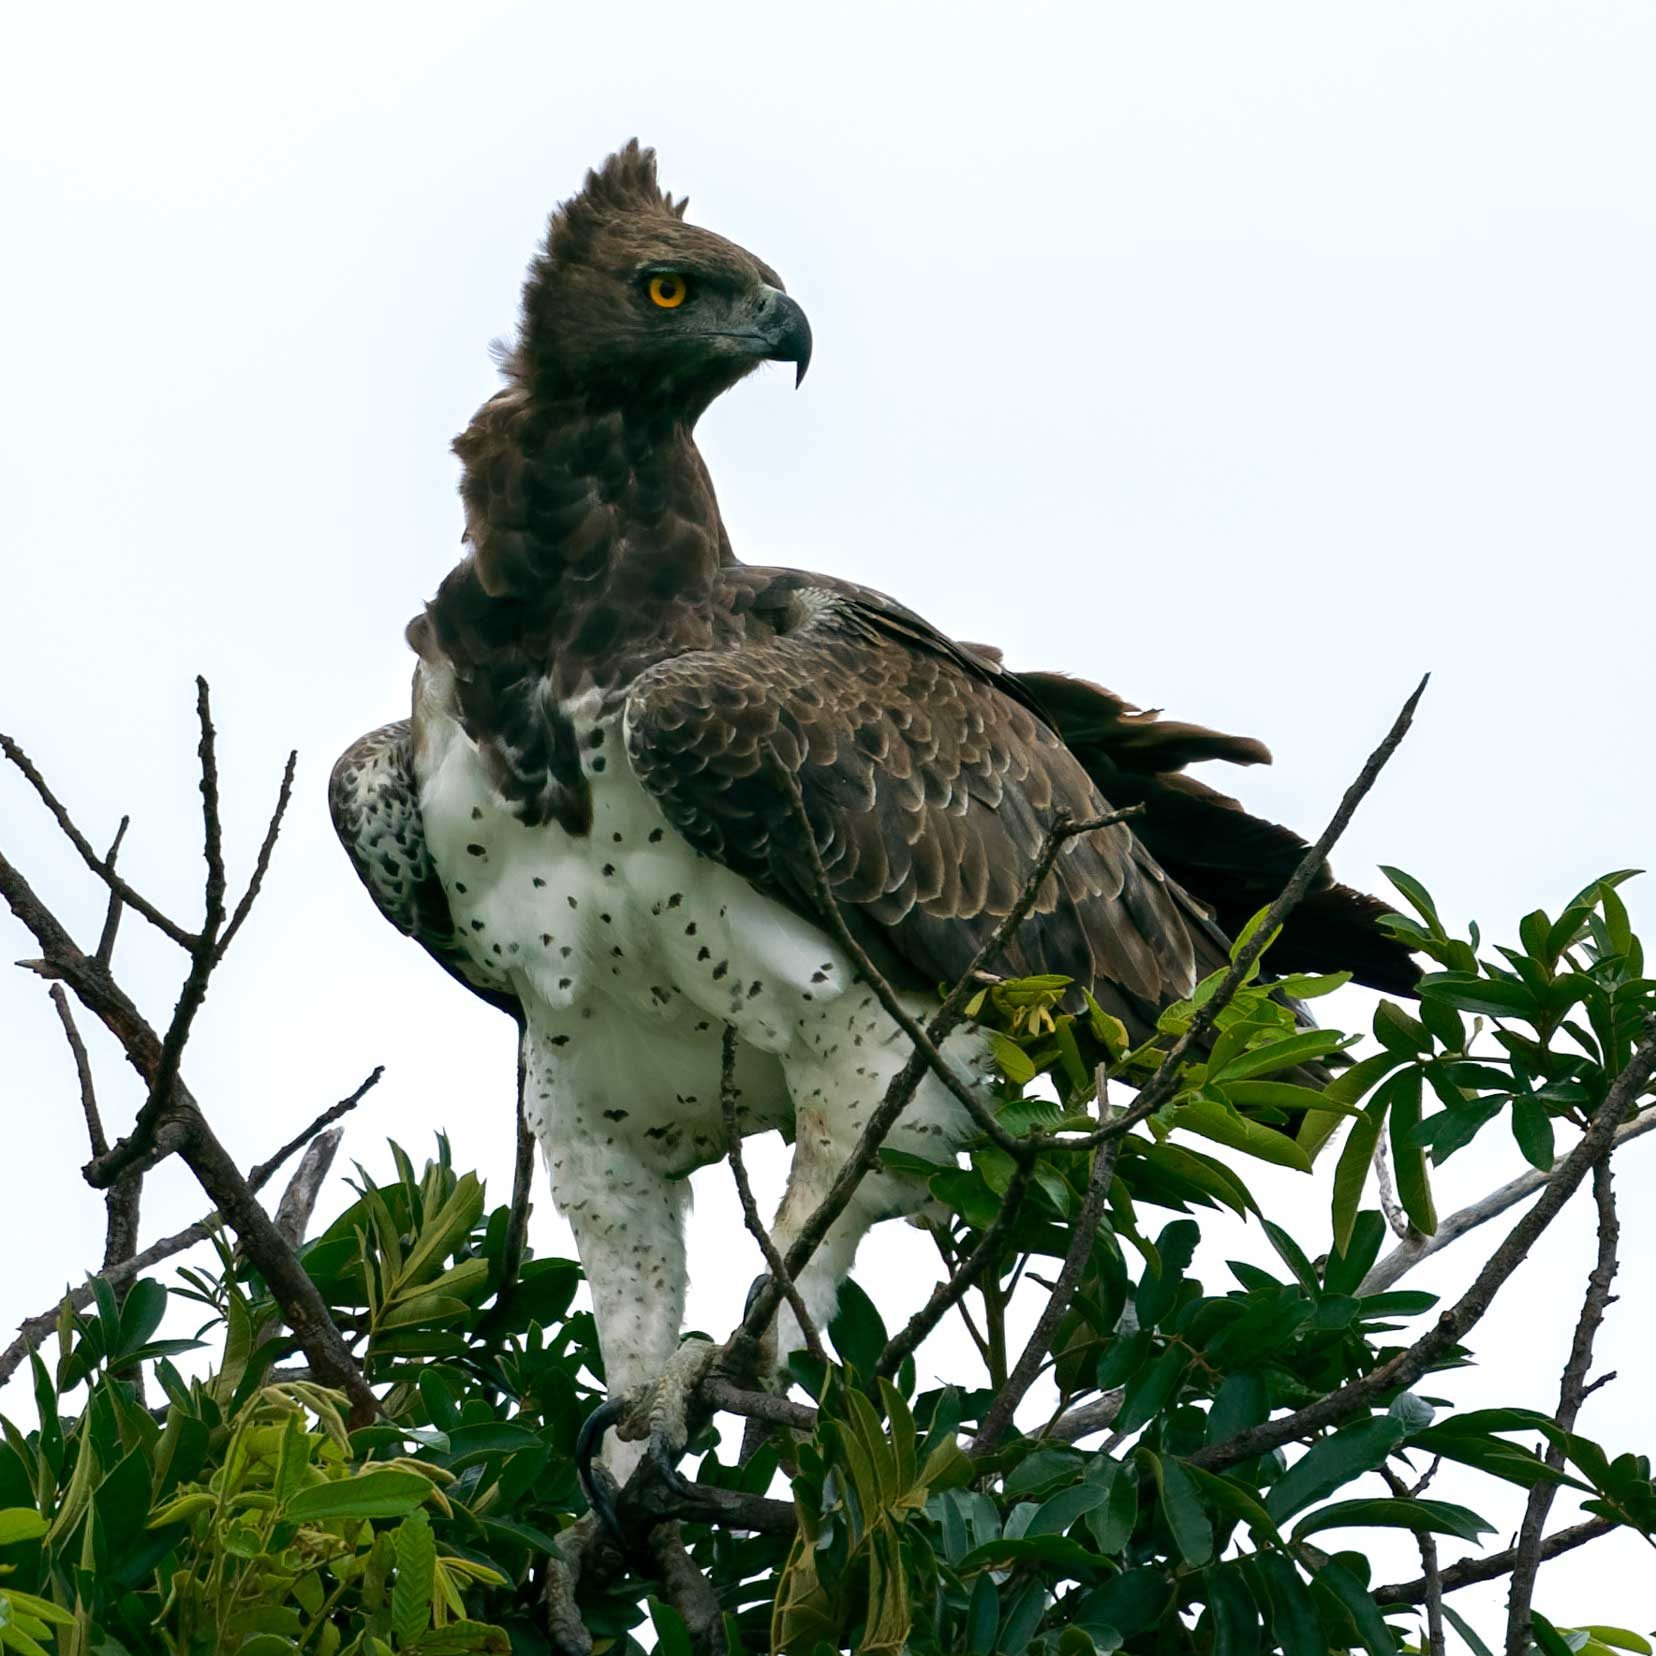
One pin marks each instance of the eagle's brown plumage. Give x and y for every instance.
(586, 819)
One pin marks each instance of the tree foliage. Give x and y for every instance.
(1215, 1448)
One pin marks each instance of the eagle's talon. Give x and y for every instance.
(596, 1483)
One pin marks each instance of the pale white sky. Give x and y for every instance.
(1249, 359)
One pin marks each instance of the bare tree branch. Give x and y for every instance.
(1473, 1570)
(1087, 1418)
(32, 1331)
(750, 1209)
(754, 1405)
(1572, 1393)
(298, 1203)
(1403, 1258)
(1083, 1236)
(1453, 1324)
(103, 867)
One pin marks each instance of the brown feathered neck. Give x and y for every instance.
(594, 537)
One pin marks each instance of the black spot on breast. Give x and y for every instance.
(656, 835)
(570, 899)
(536, 880)
(819, 977)
(719, 970)
(704, 953)
(477, 813)
(615, 1115)
(476, 850)
(754, 988)
(675, 900)
(609, 871)
(560, 1040)
(546, 939)
(606, 919)
(616, 951)
(460, 887)
(564, 983)
(477, 925)
(598, 763)
(595, 736)
(690, 930)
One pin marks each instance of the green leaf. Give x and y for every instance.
(1470, 992)
(1620, 1638)
(1418, 896)
(1414, 1188)
(1215, 1122)
(1398, 1032)
(1058, 1512)
(1437, 1517)
(386, 1492)
(1533, 1129)
(672, 1636)
(1332, 1462)
(411, 1596)
(1352, 1170)
(1295, 1625)
(1547, 1637)
(20, 1524)
(1354, 1599)
(1181, 1506)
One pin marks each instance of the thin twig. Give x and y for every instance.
(1402, 1370)
(83, 1070)
(1085, 1233)
(261, 865)
(1396, 1218)
(36, 1328)
(770, 1407)
(1403, 1258)
(1473, 1570)
(1572, 1393)
(105, 951)
(750, 1208)
(124, 1198)
(101, 866)
(961, 1279)
(1433, 1577)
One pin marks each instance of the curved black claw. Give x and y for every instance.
(759, 1283)
(598, 1489)
(664, 1458)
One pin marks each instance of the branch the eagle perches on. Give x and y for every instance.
(172, 1121)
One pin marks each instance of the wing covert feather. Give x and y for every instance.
(929, 782)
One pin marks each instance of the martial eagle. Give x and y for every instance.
(586, 820)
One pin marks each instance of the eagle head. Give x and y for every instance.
(629, 306)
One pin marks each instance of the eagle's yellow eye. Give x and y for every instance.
(668, 291)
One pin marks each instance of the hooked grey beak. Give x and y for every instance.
(785, 331)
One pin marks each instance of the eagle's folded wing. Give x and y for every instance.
(375, 807)
(930, 783)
